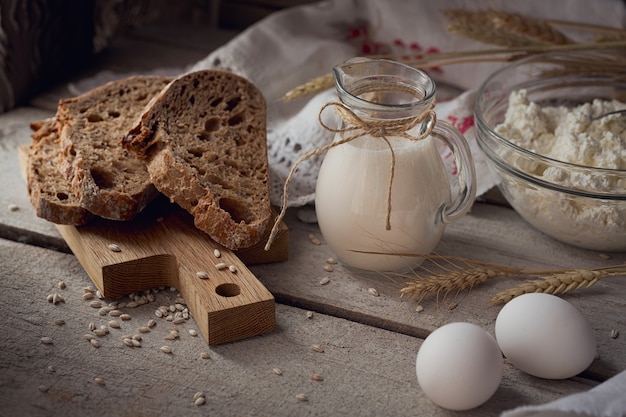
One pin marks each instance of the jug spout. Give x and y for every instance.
(383, 88)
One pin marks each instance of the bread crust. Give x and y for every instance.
(51, 196)
(204, 142)
(109, 181)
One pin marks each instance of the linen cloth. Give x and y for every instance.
(296, 45)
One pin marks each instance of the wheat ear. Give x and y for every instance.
(558, 282)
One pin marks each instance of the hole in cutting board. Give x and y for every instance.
(228, 290)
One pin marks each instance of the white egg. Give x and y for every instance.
(459, 366)
(545, 336)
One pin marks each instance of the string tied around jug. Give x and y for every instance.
(354, 127)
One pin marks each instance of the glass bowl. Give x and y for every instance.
(576, 204)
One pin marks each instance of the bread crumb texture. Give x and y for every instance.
(204, 142)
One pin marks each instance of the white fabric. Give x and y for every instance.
(295, 45)
(605, 400)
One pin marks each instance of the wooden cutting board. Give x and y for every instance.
(162, 247)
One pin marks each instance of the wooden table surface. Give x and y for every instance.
(370, 343)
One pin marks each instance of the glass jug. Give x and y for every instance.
(383, 192)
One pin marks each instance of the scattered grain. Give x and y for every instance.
(135, 342)
(324, 281)
(128, 341)
(199, 401)
(89, 337)
(99, 295)
(221, 265)
(50, 297)
(46, 340)
(43, 388)
(13, 207)
(143, 329)
(115, 313)
(314, 240)
(152, 323)
(419, 308)
(133, 304)
(88, 296)
(125, 317)
(373, 292)
(614, 334)
(316, 377)
(202, 275)
(302, 397)
(193, 332)
(104, 310)
(205, 355)
(317, 348)
(92, 326)
(328, 268)
(452, 306)
(59, 322)
(95, 304)
(57, 298)
(95, 343)
(309, 314)
(232, 268)
(115, 248)
(166, 349)
(51, 369)
(158, 313)
(137, 337)
(62, 285)
(98, 381)
(217, 253)
(605, 256)
(331, 261)
(100, 332)
(198, 394)
(89, 289)
(277, 371)
(114, 324)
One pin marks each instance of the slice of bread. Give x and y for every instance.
(108, 180)
(49, 191)
(204, 142)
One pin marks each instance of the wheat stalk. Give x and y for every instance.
(326, 81)
(519, 34)
(504, 29)
(559, 282)
(451, 273)
(459, 280)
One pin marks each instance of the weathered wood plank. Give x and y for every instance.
(17, 218)
(366, 371)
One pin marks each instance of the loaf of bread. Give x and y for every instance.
(49, 191)
(108, 180)
(203, 139)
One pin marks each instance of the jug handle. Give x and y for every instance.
(459, 147)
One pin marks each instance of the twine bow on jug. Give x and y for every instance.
(354, 127)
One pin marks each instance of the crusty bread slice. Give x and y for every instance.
(204, 142)
(48, 188)
(109, 181)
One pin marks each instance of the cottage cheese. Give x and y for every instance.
(570, 135)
